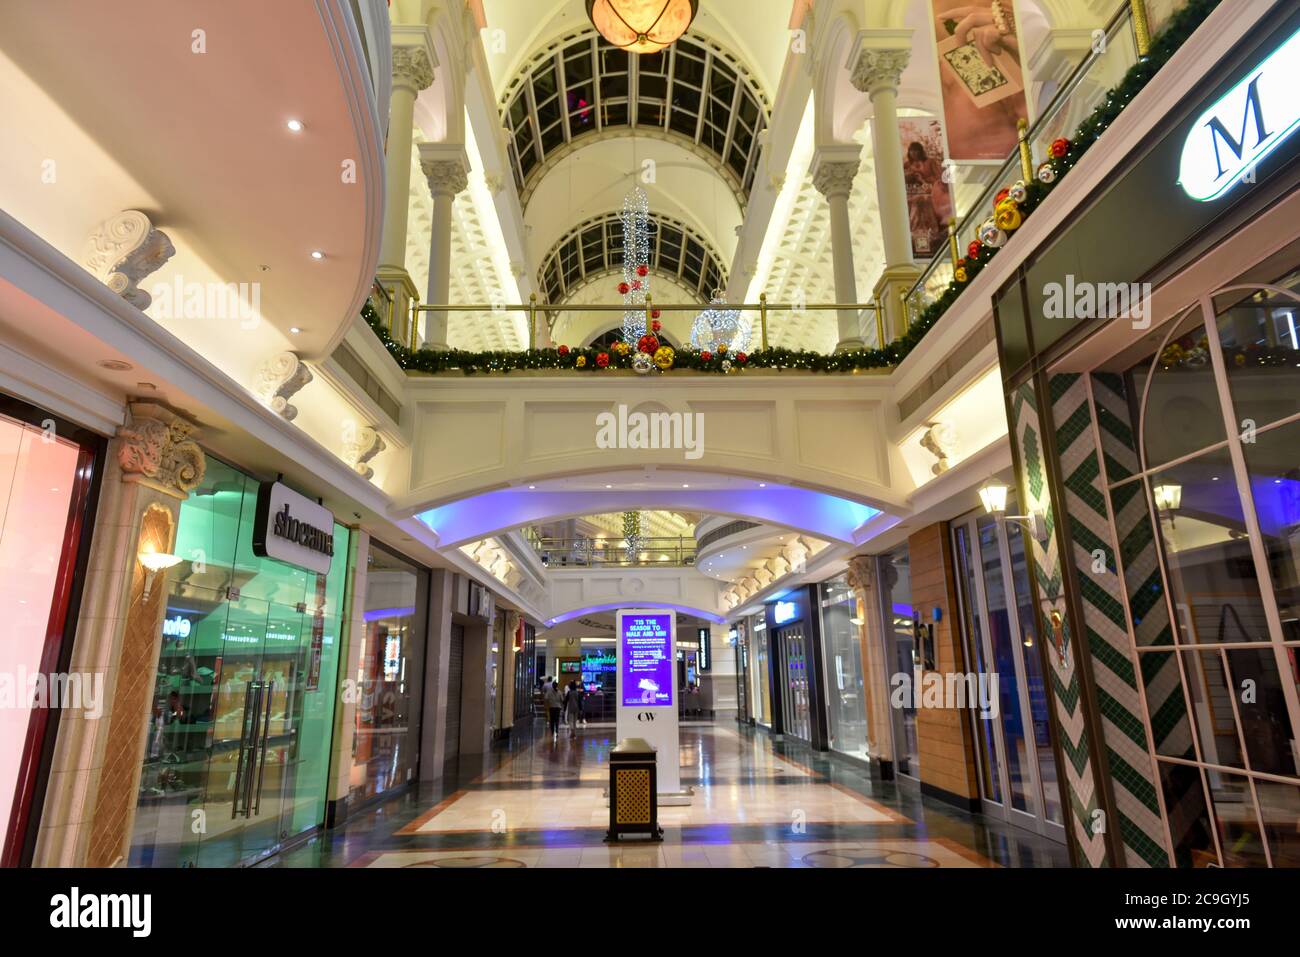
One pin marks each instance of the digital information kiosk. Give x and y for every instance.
(647, 687)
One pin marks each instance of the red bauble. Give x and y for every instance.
(1060, 147)
(655, 313)
(656, 325)
(642, 270)
(961, 263)
(706, 355)
(1002, 194)
(602, 359)
(647, 344)
(741, 358)
(636, 283)
(973, 250)
(623, 288)
(563, 350)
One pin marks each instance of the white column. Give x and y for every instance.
(446, 168)
(834, 169)
(879, 60)
(413, 64)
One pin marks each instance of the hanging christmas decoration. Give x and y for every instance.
(636, 262)
(719, 328)
(1062, 155)
(631, 535)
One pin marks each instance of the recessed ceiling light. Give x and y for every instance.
(317, 254)
(532, 486)
(762, 485)
(295, 330)
(684, 485)
(295, 125)
(609, 486)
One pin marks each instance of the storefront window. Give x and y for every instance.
(1181, 413)
(1260, 335)
(238, 741)
(44, 504)
(896, 596)
(1273, 466)
(1233, 594)
(760, 685)
(390, 668)
(841, 633)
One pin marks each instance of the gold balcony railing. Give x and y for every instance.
(612, 552)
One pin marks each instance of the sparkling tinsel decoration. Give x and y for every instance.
(632, 536)
(717, 325)
(636, 260)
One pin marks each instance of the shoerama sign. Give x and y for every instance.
(291, 528)
(1243, 126)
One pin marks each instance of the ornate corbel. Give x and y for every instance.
(939, 440)
(278, 379)
(364, 445)
(125, 248)
(156, 448)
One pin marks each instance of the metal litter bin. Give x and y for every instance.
(633, 791)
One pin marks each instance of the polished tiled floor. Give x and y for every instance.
(758, 803)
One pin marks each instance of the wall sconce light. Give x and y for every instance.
(993, 495)
(155, 562)
(1168, 499)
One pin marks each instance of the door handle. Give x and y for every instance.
(252, 748)
(243, 739)
(266, 733)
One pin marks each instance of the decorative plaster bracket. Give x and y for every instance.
(364, 445)
(157, 449)
(279, 378)
(125, 248)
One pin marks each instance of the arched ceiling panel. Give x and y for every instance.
(595, 248)
(580, 86)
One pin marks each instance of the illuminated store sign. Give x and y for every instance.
(291, 528)
(177, 627)
(1245, 125)
(785, 611)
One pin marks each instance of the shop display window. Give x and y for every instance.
(239, 733)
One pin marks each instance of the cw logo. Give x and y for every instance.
(645, 715)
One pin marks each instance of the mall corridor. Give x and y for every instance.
(758, 803)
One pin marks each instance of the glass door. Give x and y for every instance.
(1017, 766)
(794, 683)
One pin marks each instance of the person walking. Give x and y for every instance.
(554, 701)
(572, 708)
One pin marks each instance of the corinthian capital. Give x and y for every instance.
(157, 448)
(862, 575)
(834, 169)
(879, 59)
(413, 58)
(446, 168)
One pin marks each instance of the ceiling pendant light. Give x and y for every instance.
(641, 26)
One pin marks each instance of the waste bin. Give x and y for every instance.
(633, 791)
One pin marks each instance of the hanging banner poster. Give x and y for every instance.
(929, 201)
(980, 74)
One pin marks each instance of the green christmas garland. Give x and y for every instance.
(1176, 32)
